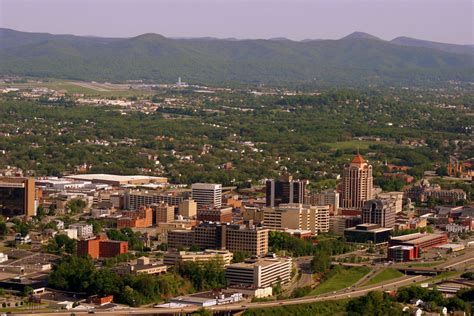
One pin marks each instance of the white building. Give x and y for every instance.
(259, 273)
(207, 195)
(59, 224)
(70, 232)
(84, 230)
(3, 257)
(455, 228)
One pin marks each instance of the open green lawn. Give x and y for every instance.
(339, 278)
(423, 264)
(384, 275)
(319, 308)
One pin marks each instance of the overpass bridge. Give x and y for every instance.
(430, 271)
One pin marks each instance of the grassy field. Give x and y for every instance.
(423, 264)
(384, 275)
(339, 278)
(318, 308)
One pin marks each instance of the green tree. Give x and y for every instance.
(76, 206)
(240, 256)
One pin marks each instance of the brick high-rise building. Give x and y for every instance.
(357, 183)
(285, 190)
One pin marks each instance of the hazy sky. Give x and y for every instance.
(444, 21)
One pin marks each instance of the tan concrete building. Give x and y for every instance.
(162, 229)
(397, 198)
(188, 208)
(142, 266)
(297, 216)
(252, 213)
(357, 183)
(174, 257)
(328, 197)
(259, 273)
(248, 239)
(162, 213)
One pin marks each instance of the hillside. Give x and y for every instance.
(449, 48)
(356, 60)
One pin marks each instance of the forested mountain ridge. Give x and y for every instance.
(356, 60)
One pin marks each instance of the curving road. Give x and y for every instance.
(345, 293)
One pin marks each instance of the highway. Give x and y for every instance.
(342, 294)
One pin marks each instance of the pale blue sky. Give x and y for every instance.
(437, 20)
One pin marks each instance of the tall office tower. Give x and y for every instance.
(17, 196)
(379, 211)
(162, 213)
(188, 208)
(357, 183)
(285, 190)
(207, 195)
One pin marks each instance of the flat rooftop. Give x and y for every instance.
(117, 178)
(422, 238)
(262, 263)
(408, 237)
(375, 230)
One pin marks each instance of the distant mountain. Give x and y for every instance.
(450, 48)
(356, 60)
(361, 35)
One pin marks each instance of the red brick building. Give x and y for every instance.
(101, 247)
(222, 215)
(140, 218)
(403, 253)
(422, 241)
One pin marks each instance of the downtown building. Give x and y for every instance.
(207, 195)
(298, 217)
(17, 196)
(101, 247)
(285, 190)
(379, 211)
(327, 197)
(357, 184)
(259, 273)
(248, 238)
(135, 199)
